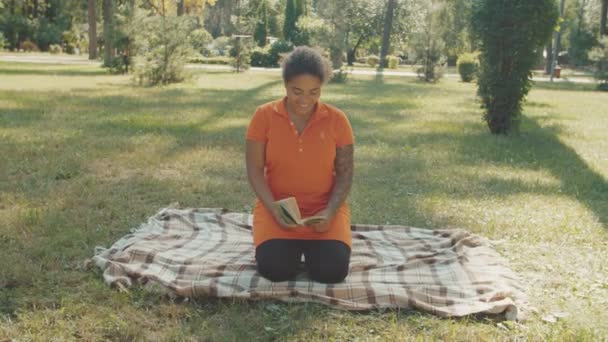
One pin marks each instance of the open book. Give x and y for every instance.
(290, 212)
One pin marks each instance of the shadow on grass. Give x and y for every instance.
(571, 86)
(54, 71)
(538, 147)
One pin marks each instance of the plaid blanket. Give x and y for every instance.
(209, 252)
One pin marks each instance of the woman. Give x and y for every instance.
(300, 147)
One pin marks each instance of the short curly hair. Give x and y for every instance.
(306, 60)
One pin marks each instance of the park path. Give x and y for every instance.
(82, 60)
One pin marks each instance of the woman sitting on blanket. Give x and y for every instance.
(300, 147)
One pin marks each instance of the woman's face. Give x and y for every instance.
(303, 92)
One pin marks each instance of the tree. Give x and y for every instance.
(549, 58)
(333, 28)
(301, 8)
(92, 7)
(180, 7)
(108, 32)
(162, 51)
(603, 17)
(388, 25)
(289, 27)
(261, 27)
(580, 38)
(454, 27)
(364, 22)
(429, 45)
(599, 55)
(558, 39)
(510, 32)
(41, 22)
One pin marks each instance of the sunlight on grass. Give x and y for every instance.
(86, 157)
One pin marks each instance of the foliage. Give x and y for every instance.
(510, 32)
(41, 22)
(289, 26)
(55, 49)
(169, 7)
(468, 65)
(221, 60)
(260, 57)
(365, 20)
(581, 42)
(29, 46)
(161, 50)
(317, 30)
(261, 26)
(199, 40)
(220, 46)
(278, 49)
(339, 76)
(372, 60)
(70, 41)
(119, 64)
(454, 17)
(428, 44)
(599, 55)
(392, 62)
(240, 54)
(3, 41)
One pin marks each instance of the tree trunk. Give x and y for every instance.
(548, 56)
(558, 37)
(92, 29)
(108, 34)
(352, 53)
(180, 7)
(227, 28)
(386, 37)
(603, 17)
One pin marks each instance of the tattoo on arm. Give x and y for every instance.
(344, 165)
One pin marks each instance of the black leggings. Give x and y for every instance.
(326, 260)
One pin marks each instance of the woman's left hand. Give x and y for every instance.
(323, 226)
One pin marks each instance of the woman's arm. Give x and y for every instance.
(255, 160)
(343, 165)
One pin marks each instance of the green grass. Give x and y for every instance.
(86, 157)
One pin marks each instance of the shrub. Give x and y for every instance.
(55, 49)
(510, 33)
(3, 41)
(393, 62)
(428, 44)
(468, 64)
(29, 46)
(372, 60)
(339, 76)
(599, 55)
(211, 60)
(220, 46)
(199, 39)
(429, 56)
(260, 57)
(119, 64)
(278, 49)
(162, 52)
(240, 54)
(70, 40)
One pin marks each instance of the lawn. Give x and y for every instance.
(85, 156)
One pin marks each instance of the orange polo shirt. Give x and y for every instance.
(301, 166)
